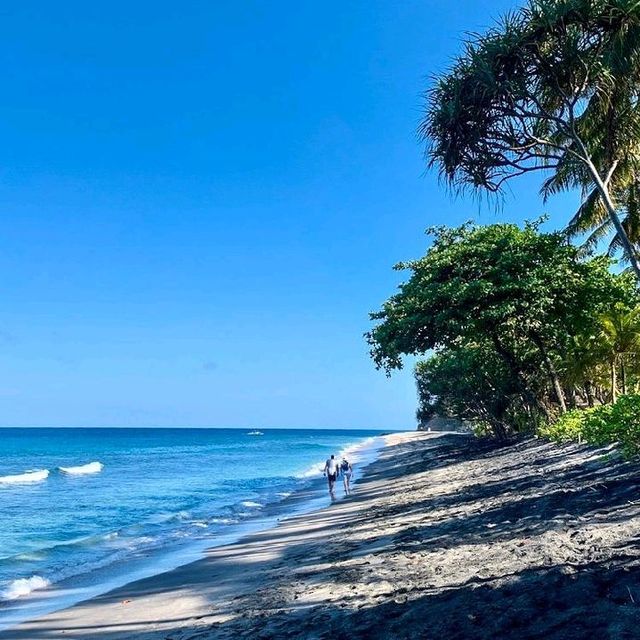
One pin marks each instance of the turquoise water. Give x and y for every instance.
(114, 496)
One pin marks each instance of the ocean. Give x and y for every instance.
(85, 510)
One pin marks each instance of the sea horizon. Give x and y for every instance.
(76, 426)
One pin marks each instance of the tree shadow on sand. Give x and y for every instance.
(548, 489)
(598, 601)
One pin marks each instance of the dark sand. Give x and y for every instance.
(446, 537)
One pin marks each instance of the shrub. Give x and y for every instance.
(623, 420)
(617, 423)
(568, 428)
(598, 427)
(482, 429)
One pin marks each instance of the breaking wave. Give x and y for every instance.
(26, 478)
(23, 587)
(85, 469)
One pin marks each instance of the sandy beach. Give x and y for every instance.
(446, 536)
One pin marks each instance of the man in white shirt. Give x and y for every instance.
(331, 471)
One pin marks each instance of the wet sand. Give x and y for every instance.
(446, 536)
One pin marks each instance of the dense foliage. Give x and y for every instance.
(520, 330)
(513, 323)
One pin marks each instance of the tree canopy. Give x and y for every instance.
(555, 87)
(501, 307)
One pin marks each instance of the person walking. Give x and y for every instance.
(331, 472)
(347, 471)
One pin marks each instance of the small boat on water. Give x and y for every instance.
(255, 433)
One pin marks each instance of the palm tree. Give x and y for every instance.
(592, 220)
(620, 336)
(592, 217)
(582, 365)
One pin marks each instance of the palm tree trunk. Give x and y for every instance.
(623, 376)
(571, 396)
(553, 374)
(588, 387)
(614, 381)
(602, 187)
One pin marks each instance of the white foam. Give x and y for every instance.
(251, 504)
(118, 549)
(313, 471)
(26, 478)
(362, 452)
(223, 521)
(23, 587)
(82, 470)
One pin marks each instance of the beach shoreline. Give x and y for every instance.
(309, 495)
(444, 536)
(166, 580)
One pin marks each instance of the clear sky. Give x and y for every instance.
(200, 202)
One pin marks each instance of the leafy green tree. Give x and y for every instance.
(522, 293)
(554, 87)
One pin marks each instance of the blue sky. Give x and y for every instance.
(200, 202)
